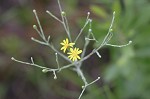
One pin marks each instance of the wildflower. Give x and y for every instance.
(74, 54)
(66, 44)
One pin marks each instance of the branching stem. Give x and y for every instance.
(77, 65)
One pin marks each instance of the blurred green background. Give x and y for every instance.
(124, 72)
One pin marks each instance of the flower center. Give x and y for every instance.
(66, 45)
(74, 54)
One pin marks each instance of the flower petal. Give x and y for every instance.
(71, 44)
(67, 41)
(62, 43)
(71, 49)
(62, 48)
(80, 51)
(78, 57)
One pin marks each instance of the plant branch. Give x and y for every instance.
(54, 16)
(41, 30)
(52, 47)
(86, 85)
(81, 31)
(64, 19)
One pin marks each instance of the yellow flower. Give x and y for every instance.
(66, 44)
(73, 54)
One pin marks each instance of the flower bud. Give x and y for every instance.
(63, 13)
(44, 70)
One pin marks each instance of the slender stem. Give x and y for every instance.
(32, 60)
(65, 27)
(59, 6)
(55, 76)
(42, 33)
(52, 47)
(80, 73)
(83, 59)
(81, 31)
(57, 61)
(62, 55)
(78, 62)
(86, 43)
(32, 64)
(42, 67)
(64, 19)
(54, 16)
(86, 85)
(120, 45)
(98, 54)
(82, 92)
(67, 66)
(93, 81)
(109, 31)
(35, 27)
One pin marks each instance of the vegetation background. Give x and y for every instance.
(124, 72)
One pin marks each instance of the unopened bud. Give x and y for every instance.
(111, 30)
(63, 13)
(34, 10)
(83, 87)
(90, 20)
(44, 70)
(55, 77)
(90, 30)
(130, 41)
(12, 58)
(34, 26)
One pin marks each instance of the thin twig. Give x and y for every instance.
(82, 93)
(80, 73)
(109, 30)
(120, 45)
(35, 27)
(81, 31)
(85, 86)
(54, 16)
(32, 64)
(52, 47)
(42, 33)
(86, 42)
(63, 16)
(57, 62)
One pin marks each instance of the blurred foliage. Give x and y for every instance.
(128, 69)
(124, 72)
